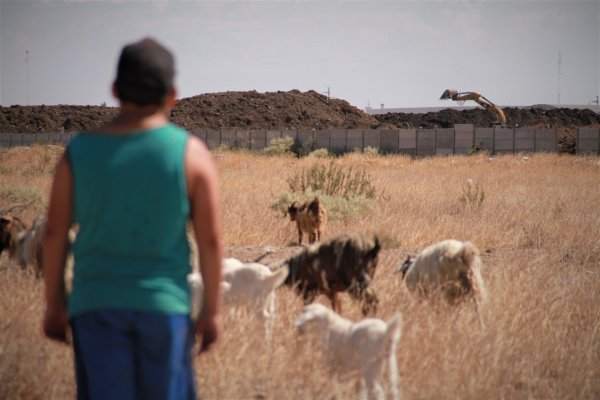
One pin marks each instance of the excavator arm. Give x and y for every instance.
(477, 98)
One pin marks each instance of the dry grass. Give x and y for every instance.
(538, 228)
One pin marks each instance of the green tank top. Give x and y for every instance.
(131, 205)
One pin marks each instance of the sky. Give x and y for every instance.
(369, 53)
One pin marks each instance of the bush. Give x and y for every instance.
(280, 146)
(320, 153)
(476, 148)
(338, 208)
(12, 194)
(333, 180)
(343, 192)
(370, 151)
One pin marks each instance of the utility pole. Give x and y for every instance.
(559, 63)
(27, 74)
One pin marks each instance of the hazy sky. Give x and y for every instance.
(399, 53)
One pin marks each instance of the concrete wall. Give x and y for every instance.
(461, 139)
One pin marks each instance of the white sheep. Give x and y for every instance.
(451, 268)
(365, 347)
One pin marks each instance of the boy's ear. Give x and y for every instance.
(171, 99)
(115, 91)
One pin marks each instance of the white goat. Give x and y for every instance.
(451, 268)
(245, 285)
(364, 347)
(252, 285)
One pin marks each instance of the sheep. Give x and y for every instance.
(310, 217)
(365, 347)
(345, 263)
(449, 267)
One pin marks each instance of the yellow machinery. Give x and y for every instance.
(479, 99)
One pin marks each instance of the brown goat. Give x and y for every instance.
(310, 217)
(345, 263)
(24, 242)
(11, 227)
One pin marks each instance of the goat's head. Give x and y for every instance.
(10, 227)
(293, 210)
(313, 206)
(5, 234)
(406, 264)
(315, 318)
(371, 256)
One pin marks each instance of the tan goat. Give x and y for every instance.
(451, 268)
(310, 218)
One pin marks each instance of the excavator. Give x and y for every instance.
(479, 99)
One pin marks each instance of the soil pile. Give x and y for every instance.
(479, 117)
(280, 110)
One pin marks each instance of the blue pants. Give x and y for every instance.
(132, 355)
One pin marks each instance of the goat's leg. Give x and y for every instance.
(372, 375)
(361, 389)
(309, 296)
(392, 364)
(336, 304)
(300, 236)
(478, 311)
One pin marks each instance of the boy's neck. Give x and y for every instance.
(132, 118)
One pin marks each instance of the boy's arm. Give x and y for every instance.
(204, 200)
(54, 251)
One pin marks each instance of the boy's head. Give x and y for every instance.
(145, 73)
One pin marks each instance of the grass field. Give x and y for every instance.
(537, 226)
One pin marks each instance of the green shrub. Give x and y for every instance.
(476, 148)
(333, 180)
(343, 192)
(279, 146)
(320, 153)
(338, 208)
(12, 195)
(370, 151)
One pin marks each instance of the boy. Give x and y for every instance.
(131, 186)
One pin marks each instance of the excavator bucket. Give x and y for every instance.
(448, 93)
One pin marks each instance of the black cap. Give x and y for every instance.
(145, 73)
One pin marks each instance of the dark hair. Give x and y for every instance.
(145, 73)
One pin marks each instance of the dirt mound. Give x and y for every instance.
(246, 110)
(279, 110)
(479, 117)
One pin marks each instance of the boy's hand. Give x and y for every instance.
(209, 328)
(56, 324)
